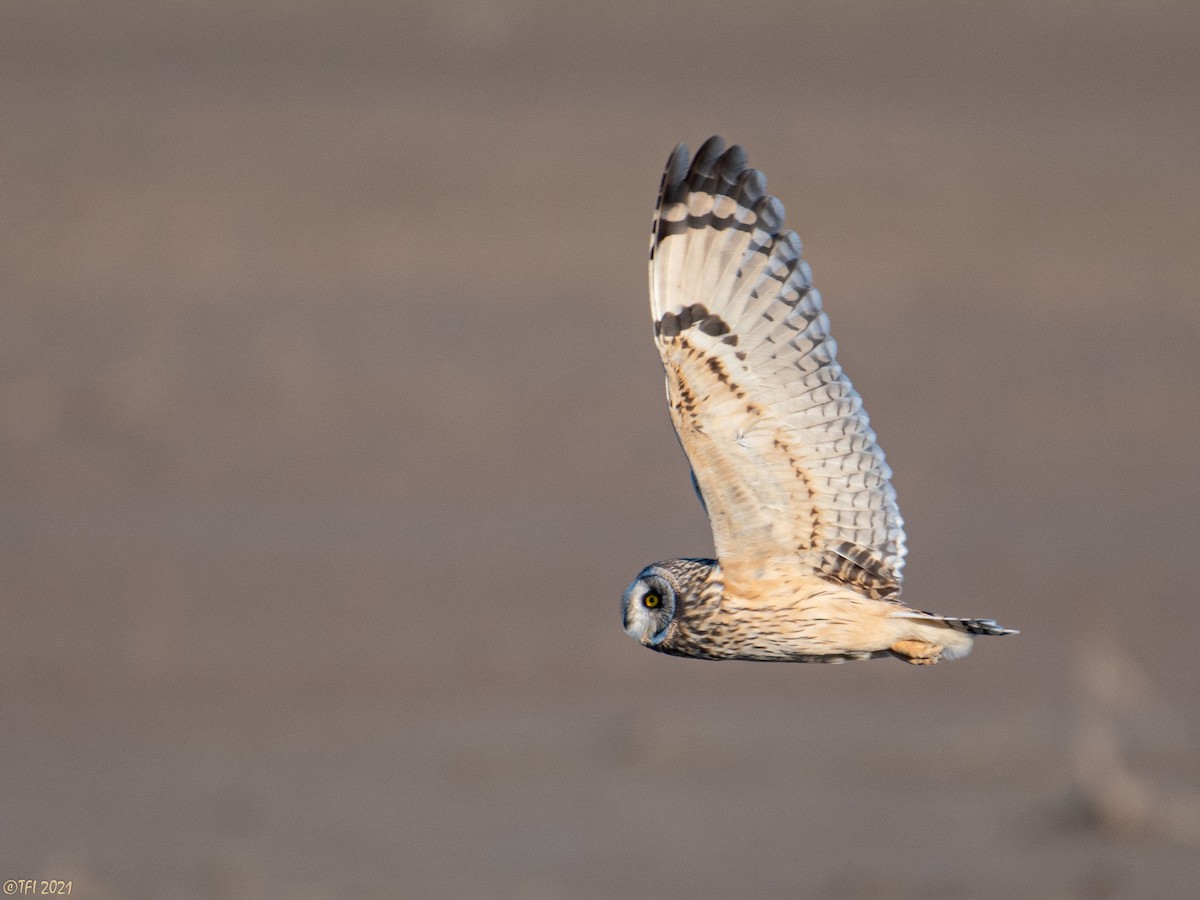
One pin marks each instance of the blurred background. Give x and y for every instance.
(332, 430)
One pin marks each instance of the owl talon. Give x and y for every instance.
(917, 653)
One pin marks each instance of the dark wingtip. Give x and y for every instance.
(710, 151)
(732, 164)
(677, 162)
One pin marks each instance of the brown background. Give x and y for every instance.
(332, 430)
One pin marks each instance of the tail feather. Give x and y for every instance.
(967, 626)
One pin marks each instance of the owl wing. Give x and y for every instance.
(782, 453)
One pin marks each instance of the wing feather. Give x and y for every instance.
(781, 449)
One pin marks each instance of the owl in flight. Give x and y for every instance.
(809, 541)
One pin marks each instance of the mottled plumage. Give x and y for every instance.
(809, 541)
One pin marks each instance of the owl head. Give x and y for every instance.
(649, 605)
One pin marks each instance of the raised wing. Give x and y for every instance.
(780, 446)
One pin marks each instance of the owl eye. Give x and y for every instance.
(652, 601)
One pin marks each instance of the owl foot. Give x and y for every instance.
(918, 653)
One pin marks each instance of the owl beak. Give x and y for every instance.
(629, 621)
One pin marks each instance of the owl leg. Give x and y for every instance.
(916, 652)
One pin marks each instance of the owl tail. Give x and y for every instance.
(952, 634)
(972, 626)
(969, 626)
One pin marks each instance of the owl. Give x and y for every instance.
(809, 541)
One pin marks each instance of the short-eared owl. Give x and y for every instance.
(810, 544)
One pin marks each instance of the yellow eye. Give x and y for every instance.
(651, 601)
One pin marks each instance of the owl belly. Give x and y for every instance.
(822, 625)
